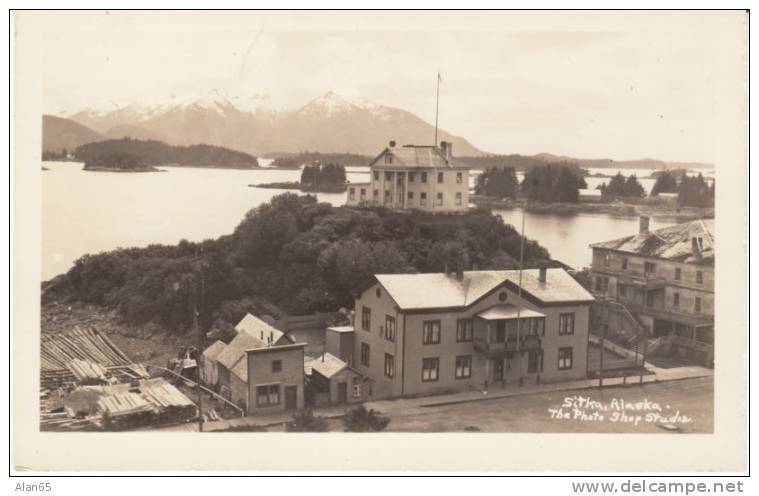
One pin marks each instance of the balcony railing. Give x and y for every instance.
(524, 343)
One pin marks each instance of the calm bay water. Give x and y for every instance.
(89, 212)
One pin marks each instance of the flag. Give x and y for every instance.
(439, 79)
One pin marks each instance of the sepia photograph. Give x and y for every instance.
(432, 222)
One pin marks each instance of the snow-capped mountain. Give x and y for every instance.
(329, 123)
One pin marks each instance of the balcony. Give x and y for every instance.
(511, 345)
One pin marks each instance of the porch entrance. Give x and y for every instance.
(291, 397)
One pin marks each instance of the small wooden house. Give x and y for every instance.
(331, 381)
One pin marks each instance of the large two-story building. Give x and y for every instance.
(418, 177)
(666, 279)
(419, 334)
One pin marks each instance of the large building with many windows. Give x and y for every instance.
(418, 177)
(666, 279)
(419, 334)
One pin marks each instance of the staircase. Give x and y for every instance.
(622, 326)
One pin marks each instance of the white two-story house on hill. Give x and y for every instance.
(419, 177)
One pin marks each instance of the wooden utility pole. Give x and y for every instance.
(601, 358)
(437, 105)
(199, 334)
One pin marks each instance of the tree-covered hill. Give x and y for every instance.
(153, 152)
(298, 254)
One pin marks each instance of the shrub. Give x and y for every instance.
(306, 421)
(360, 419)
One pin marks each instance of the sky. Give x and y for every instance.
(623, 85)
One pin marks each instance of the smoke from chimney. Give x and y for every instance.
(542, 274)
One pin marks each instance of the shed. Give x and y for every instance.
(339, 342)
(331, 381)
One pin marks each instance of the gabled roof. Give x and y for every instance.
(327, 365)
(418, 157)
(233, 356)
(260, 329)
(213, 351)
(672, 243)
(430, 291)
(507, 311)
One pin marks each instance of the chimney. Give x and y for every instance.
(643, 225)
(459, 273)
(391, 144)
(695, 247)
(447, 148)
(542, 273)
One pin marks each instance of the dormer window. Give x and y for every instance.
(388, 158)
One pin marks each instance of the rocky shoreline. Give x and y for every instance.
(661, 210)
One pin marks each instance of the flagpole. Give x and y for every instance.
(437, 105)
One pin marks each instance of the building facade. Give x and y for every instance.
(417, 177)
(275, 378)
(422, 334)
(666, 279)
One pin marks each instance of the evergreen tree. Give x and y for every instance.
(500, 182)
(695, 192)
(665, 183)
(553, 182)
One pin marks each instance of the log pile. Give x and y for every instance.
(59, 349)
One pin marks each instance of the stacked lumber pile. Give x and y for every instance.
(84, 356)
(171, 405)
(59, 349)
(85, 370)
(125, 410)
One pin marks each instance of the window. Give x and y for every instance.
(459, 177)
(676, 300)
(424, 177)
(376, 175)
(389, 366)
(388, 176)
(440, 177)
(388, 158)
(464, 367)
(411, 176)
(356, 387)
(464, 330)
(267, 395)
(458, 199)
(276, 366)
(352, 193)
(364, 354)
(699, 277)
(366, 318)
(388, 196)
(602, 283)
(566, 324)
(624, 263)
(431, 332)
(535, 362)
(697, 304)
(649, 268)
(439, 200)
(390, 328)
(410, 195)
(423, 199)
(678, 274)
(622, 290)
(363, 193)
(565, 358)
(606, 259)
(376, 193)
(430, 369)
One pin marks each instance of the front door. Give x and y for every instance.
(291, 397)
(497, 370)
(342, 393)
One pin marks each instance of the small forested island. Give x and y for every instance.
(560, 189)
(317, 177)
(118, 162)
(152, 153)
(297, 160)
(294, 253)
